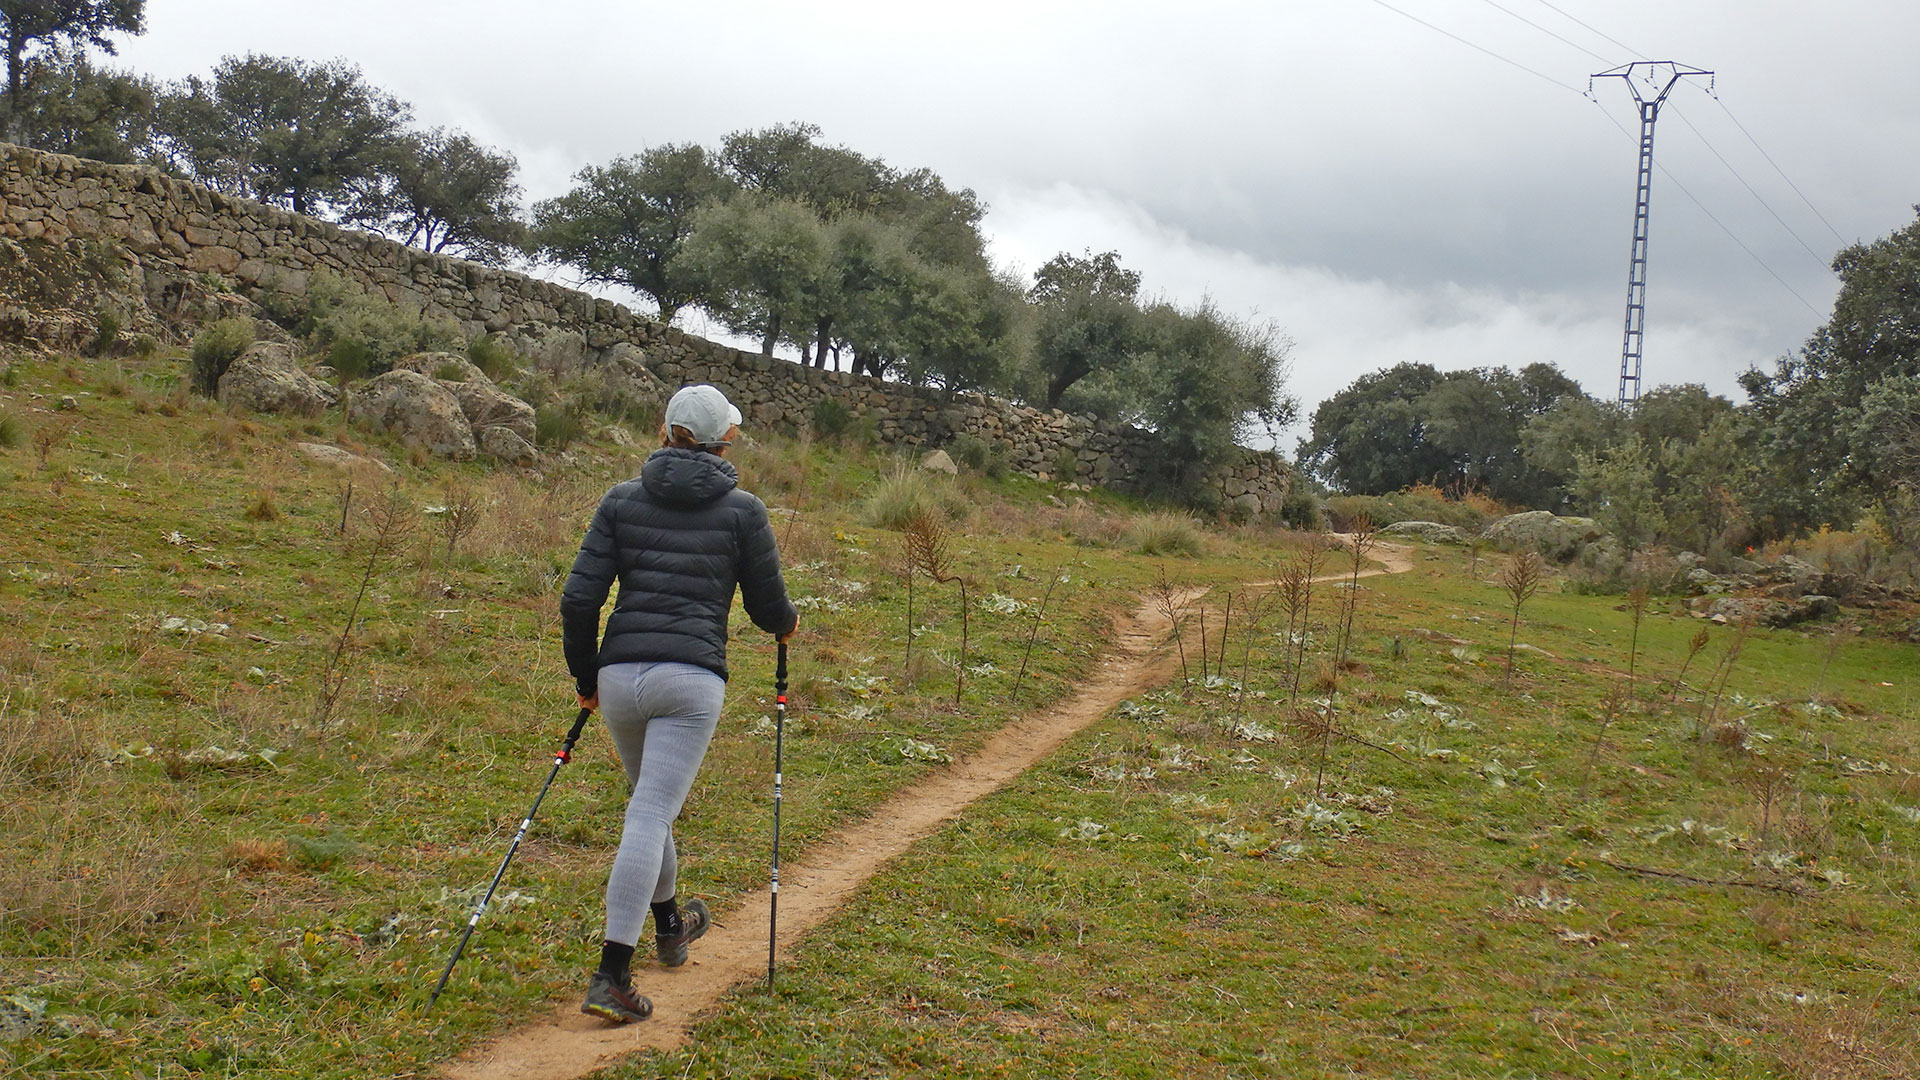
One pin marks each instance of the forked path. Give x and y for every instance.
(568, 1044)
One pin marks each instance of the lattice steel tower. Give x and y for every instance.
(1649, 72)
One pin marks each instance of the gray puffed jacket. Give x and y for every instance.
(678, 539)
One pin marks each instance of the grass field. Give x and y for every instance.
(1416, 866)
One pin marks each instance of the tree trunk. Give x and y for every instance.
(16, 71)
(1057, 386)
(772, 334)
(826, 322)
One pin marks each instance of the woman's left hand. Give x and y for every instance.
(588, 703)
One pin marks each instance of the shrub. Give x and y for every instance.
(1422, 502)
(1302, 508)
(980, 455)
(12, 432)
(1066, 466)
(557, 426)
(370, 329)
(1165, 534)
(831, 418)
(900, 495)
(493, 357)
(106, 332)
(215, 348)
(450, 371)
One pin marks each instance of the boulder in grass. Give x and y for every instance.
(450, 367)
(486, 405)
(267, 379)
(1543, 531)
(939, 461)
(503, 443)
(1433, 532)
(418, 410)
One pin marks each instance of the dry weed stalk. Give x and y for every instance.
(1694, 645)
(462, 516)
(1636, 610)
(1038, 617)
(1610, 712)
(1202, 606)
(1836, 638)
(1364, 539)
(392, 521)
(1296, 595)
(928, 551)
(1769, 782)
(1226, 626)
(1724, 670)
(1521, 578)
(1259, 606)
(1167, 598)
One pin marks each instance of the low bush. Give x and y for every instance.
(981, 455)
(1165, 534)
(1422, 502)
(906, 491)
(12, 432)
(555, 427)
(369, 332)
(215, 348)
(493, 357)
(831, 418)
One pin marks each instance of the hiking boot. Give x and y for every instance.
(694, 921)
(618, 1002)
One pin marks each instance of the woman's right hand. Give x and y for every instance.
(788, 636)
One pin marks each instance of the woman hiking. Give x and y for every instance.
(678, 539)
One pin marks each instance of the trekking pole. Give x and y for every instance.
(565, 755)
(779, 740)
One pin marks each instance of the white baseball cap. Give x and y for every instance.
(705, 412)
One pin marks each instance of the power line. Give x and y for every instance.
(1750, 189)
(1664, 171)
(1549, 33)
(1480, 48)
(1777, 168)
(1631, 51)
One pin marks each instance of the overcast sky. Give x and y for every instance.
(1382, 191)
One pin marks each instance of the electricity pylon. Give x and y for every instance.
(1649, 72)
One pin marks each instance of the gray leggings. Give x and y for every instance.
(663, 714)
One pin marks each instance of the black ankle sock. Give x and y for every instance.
(666, 916)
(616, 960)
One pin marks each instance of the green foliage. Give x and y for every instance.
(216, 347)
(1411, 424)
(13, 433)
(980, 455)
(902, 494)
(1165, 534)
(830, 418)
(625, 223)
(1204, 380)
(68, 106)
(555, 427)
(1421, 503)
(1086, 322)
(363, 334)
(495, 359)
(1303, 507)
(1066, 466)
(442, 191)
(106, 332)
(308, 136)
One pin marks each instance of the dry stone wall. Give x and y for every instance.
(170, 227)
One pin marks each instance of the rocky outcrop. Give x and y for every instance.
(486, 405)
(1543, 531)
(266, 378)
(502, 443)
(418, 410)
(1433, 532)
(1770, 612)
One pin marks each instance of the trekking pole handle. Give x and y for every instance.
(573, 736)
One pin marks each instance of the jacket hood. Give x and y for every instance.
(687, 477)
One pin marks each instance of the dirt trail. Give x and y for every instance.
(567, 1044)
